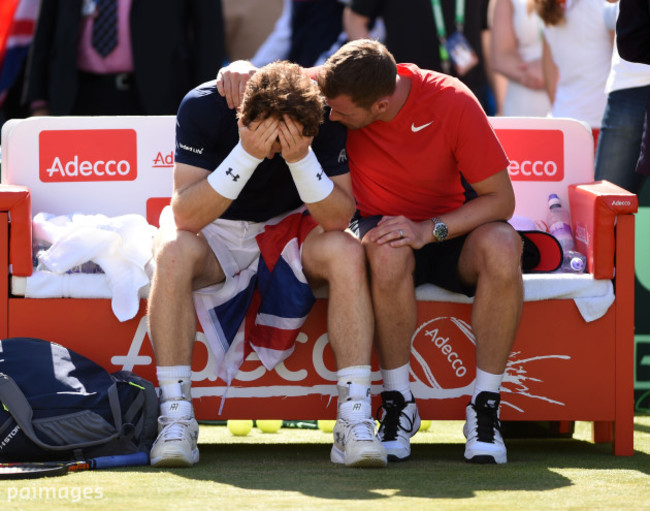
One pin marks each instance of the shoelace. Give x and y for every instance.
(486, 422)
(391, 421)
(174, 427)
(362, 430)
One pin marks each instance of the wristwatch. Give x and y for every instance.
(440, 230)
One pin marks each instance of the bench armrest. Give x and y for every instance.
(595, 208)
(16, 201)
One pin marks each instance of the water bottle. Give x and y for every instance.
(573, 262)
(39, 247)
(559, 225)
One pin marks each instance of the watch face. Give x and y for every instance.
(440, 231)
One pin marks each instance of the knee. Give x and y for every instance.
(336, 255)
(343, 249)
(182, 250)
(389, 265)
(501, 248)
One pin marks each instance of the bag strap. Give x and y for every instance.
(131, 414)
(18, 406)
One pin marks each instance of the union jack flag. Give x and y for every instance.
(17, 22)
(263, 307)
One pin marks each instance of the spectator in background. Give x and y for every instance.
(17, 20)
(577, 54)
(121, 57)
(516, 55)
(619, 143)
(430, 33)
(305, 30)
(633, 40)
(247, 24)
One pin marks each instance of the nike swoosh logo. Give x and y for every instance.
(415, 128)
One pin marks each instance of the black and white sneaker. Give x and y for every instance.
(399, 421)
(483, 430)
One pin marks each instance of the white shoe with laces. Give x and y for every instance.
(483, 431)
(355, 443)
(178, 433)
(399, 421)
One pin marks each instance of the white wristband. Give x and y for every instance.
(235, 170)
(310, 179)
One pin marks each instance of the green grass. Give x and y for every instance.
(291, 470)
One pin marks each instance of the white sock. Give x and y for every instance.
(175, 382)
(398, 379)
(486, 382)
(177, 408)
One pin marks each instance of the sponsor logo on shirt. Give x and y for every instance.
(195, 150)
(535, 155)
(88, 155)
(415, 128)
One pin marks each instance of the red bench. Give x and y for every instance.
(563, 367)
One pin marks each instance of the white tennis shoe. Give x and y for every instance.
(355, 443)
(178, 433)
(483, 431)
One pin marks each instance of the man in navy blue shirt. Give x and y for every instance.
(236, 176)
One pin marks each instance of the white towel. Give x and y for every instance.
(121, 246)
(592, 297)
(45, 284)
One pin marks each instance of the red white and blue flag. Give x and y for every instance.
(17, 22)
(263, 307)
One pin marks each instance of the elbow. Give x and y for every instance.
(335, 224)
(184, 222)
(339, 221)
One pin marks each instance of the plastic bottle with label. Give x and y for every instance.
(39, 247)
(559, 225)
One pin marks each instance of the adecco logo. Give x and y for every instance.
(449, 346)
(87, 155)
(535, 155)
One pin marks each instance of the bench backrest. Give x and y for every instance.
(119, 165)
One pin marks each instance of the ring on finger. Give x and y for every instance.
(401, 233)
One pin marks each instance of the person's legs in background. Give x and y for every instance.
(619, 143)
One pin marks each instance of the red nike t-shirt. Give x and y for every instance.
(412, 165)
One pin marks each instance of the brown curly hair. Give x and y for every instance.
(550, 11)
(281, 88)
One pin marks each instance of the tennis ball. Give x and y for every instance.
(424, 425)
(326, 426)
(269, 426)
(240, 427)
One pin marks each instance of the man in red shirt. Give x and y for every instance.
(433, 194)
(420, 147)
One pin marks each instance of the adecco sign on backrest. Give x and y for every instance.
(540, 159)
(95, 155)
(90, 163)
(107, 165)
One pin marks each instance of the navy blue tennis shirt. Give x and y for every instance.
(206, 132)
